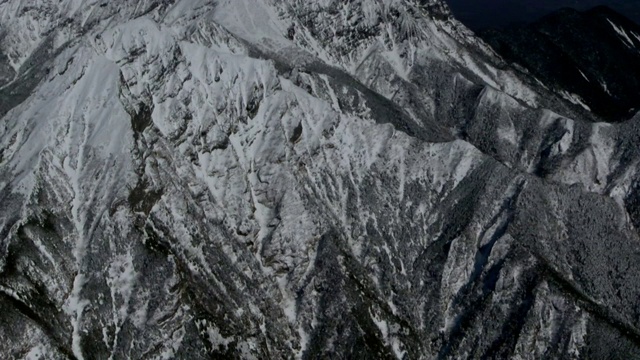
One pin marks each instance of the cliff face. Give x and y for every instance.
(278, 179)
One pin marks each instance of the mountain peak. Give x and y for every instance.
(255, 179)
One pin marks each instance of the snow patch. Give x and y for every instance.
(74, 307)
(575, 99)
(252, 20)
(508, 133)
(605, 87)
(121, 280)
(584, 76)
(623, 34)
(38, 352)
(578, 335)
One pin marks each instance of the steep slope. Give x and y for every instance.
(197, 179)
(592, 54)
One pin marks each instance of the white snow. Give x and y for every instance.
(387, 335)
(121, 280)
(575, 99)
(578, 335)
(605, 87)
(623, 34)
(508, 133)
(79, 118)
(288, 300)
(74, 307)
(567, 139)
(592, 166)
(584, 76)
(38, 352)
(252, 20)
(603, 150)
(218, 341)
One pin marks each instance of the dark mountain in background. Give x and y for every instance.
(593, 54)
(498, 13)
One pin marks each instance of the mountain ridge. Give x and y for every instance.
(177, 185)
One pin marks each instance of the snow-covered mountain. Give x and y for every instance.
(301, 179)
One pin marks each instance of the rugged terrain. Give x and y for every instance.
(291, 179)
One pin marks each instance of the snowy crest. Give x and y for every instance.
(259, 179)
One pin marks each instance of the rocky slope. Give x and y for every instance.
(286, 179)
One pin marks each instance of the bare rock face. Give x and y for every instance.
(261, 179)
